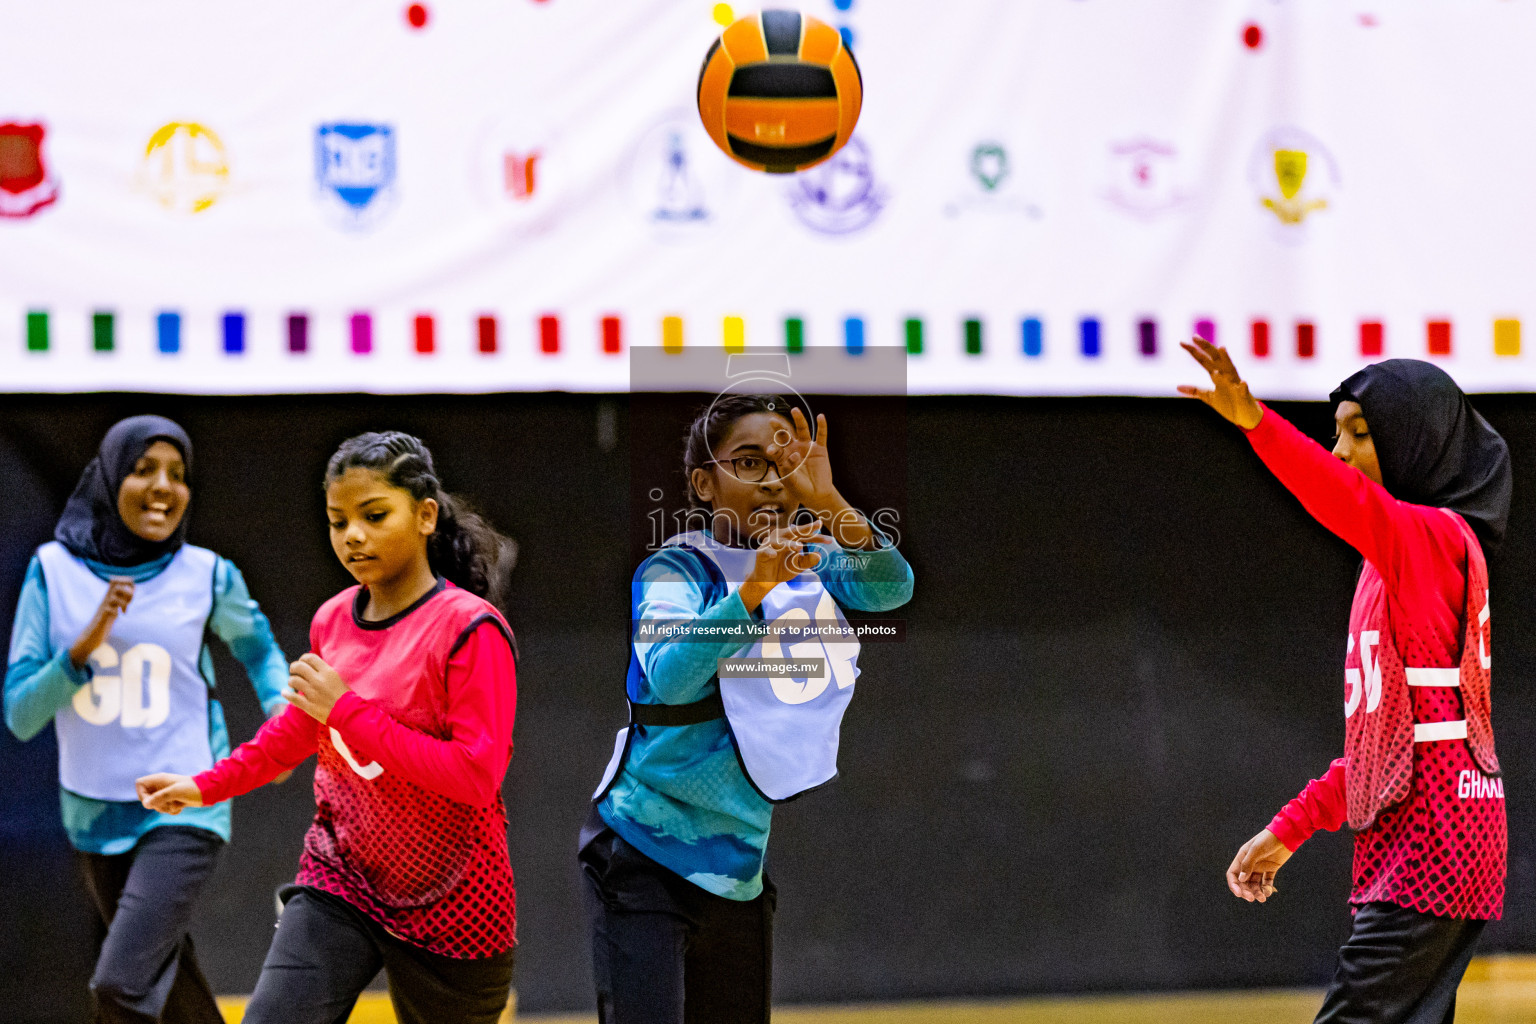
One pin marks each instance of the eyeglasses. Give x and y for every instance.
(751, 469)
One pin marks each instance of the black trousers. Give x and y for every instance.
(1399, 967)
(326, 952)
(147, 971)
(665, 951)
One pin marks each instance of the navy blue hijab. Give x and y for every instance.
(1434, 448)
(91, 526)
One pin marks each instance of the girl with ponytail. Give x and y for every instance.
(407, 696)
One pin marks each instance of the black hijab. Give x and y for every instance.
(91, 526)
(1434, 448)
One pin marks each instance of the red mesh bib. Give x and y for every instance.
(429, 869)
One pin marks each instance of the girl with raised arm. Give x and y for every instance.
(407, 695)
(110, 645)
(1419, 484)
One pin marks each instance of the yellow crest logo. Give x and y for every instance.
(1296, 165)
(185, 167)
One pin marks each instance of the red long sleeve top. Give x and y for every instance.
(1442, 850)
(409, 824)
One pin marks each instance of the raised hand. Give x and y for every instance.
(119, 596)
(314, 687)
(807, 472)
(168, 793)
(1251, 875)
(1228, 394)
(781, 556)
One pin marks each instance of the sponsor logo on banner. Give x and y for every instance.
(993, 185)
(1295, 176)
(1144, 178)
(521, 168)
(675, 178)
(520, 177)
(840, 196)
(185, 167)
(355, 169)
(26, 186)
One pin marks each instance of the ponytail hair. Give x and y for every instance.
(465, 549)
(715, 420)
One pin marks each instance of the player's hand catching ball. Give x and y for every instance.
(807, 477)
(168, 793)
(314, 687)
(1252, 874)
(781, 556)
(1228, 394)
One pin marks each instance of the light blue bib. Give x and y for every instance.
(146, 707)
(786, 729)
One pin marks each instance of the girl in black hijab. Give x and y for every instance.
(1419, 484)
(109, 646)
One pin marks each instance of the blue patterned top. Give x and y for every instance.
(681, 798)
(40, 680)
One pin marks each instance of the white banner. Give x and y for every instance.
(1042, 197)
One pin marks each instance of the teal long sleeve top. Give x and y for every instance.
(681, 798)
(40, 680)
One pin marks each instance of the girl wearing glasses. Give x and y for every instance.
(673, 850)
(1419, 484)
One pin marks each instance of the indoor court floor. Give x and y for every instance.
(1496, 990)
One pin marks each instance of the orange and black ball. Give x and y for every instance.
(779, 92)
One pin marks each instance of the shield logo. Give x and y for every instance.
(25, 184)
(989, 165)
(1290, 171)
(1297, 164)
(355, 167)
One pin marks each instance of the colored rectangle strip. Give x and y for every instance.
(1205, 328)
(1146, 336)
(168, 332)
(613, 335)
(1088, 336)
(233, 325)
(103, 332)
(298, 333)
(1306, 340)
(1506, 337)
(362, 334)
(914, 333)
(37, 331)
(485, 335)
(853, 335)
(549, 335)
(1371, 338)
(672, 334)
(1439, 337)
(1033, 331)
(794, 335)
(972, 336)
(733, 332)
(424, 329)
(1259, 332)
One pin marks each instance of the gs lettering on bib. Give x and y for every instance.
(145, 708)
(786, 729)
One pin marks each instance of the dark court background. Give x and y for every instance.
(1124, 654)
